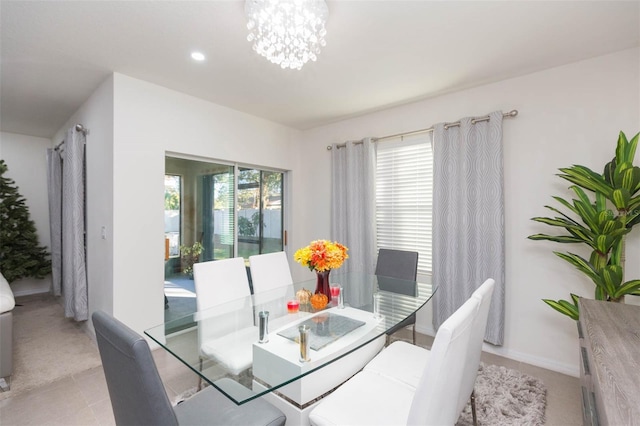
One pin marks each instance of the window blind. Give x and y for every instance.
(404, 196)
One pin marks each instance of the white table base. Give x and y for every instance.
(280, 358)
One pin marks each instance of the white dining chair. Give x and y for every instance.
(405, 362)
(269, 271)
(225, 334)
(370, 398)
(271, 278)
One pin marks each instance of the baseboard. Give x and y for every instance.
(546, 363)
(29, 286)
(31, 292)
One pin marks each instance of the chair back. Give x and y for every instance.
(399, 264)
(222, 284)
(435, 401)
(483, 294)
(220, 281)
(135, 388)
(269, 271)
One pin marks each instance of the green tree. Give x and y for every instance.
(20, 254)
(171, 199)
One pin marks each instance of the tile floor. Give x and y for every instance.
(83, 399)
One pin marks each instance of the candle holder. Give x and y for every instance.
(337, 295)
(263, 327)
(376, 306)
(304, 343)
(293, 306)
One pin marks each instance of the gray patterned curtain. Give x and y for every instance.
(54, 186)
(468, 218)
(353, 215)
(353, 209)
(71, 224)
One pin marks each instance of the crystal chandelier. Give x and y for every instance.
(287, 32)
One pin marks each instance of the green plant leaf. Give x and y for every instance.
(633, 218)
(611, 226)
(611, 278)
(598, 260)
(562, 214)
(621, 147)
(630, 287)
(581, 195)
(580, 263)
(554, 221)
(557, 239)
(586, 178)
(616, 253)
(566, 204)
(587, 214)
(631, 179)
(625, 149)
(601, 202)
(631, 148)
(565, 308)
(575, 299)
(609, 170)
(603, 243)
(621, 198)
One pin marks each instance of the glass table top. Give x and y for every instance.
(224, 342)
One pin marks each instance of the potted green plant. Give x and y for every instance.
(190, 255)
(602, 223)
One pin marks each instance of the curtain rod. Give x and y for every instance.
(512, 113)
(79, 128)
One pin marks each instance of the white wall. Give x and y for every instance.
(568, 115)
(149, 121)
(27, 162)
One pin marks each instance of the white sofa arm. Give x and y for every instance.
(7, 302)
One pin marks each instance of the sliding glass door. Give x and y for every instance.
(218, 221)
(231, 210)
(259, 208)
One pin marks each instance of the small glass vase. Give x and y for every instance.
(322, 284)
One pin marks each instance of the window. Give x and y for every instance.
(172, 197)
(404, 188)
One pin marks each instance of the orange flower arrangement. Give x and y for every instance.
(321, 255)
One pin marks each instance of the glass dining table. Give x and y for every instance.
(226, 342)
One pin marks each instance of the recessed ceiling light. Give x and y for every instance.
(197, 56)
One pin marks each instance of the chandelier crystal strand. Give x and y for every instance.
(287, 32)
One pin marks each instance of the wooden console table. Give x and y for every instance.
(610, 362)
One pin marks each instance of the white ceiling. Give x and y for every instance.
(378, 53)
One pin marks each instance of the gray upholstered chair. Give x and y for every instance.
(138, 396)
(402, 265)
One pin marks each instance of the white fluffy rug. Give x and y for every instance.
(506, 397)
